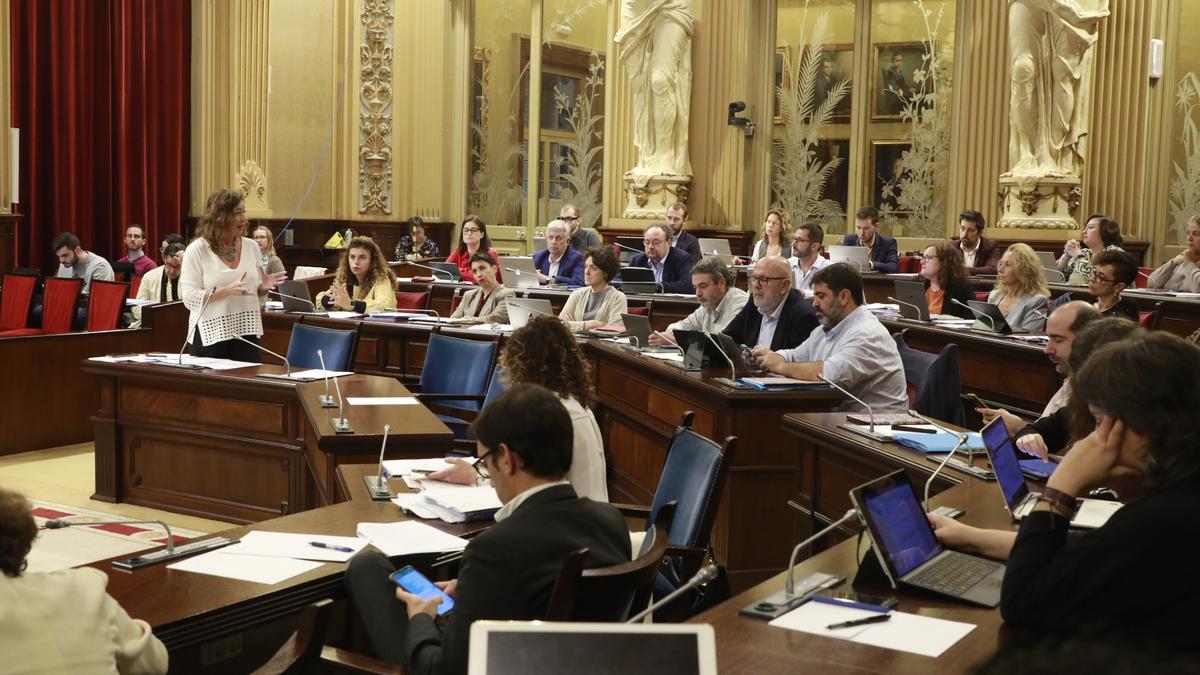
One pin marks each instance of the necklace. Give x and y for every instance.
(228, 255)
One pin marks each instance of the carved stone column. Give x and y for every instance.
(5, 108)
(375, 117)
(248, 134)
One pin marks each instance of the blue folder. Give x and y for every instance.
(938, 442)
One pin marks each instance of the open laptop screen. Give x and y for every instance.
(1004, 462)
(898, 524)
(584, 649)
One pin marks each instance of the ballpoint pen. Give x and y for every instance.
(878, 618)
(331, 547)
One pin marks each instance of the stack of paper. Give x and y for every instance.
(938, 442)
(462, 504)
(904, 632)
(407, 467)
(409, 537)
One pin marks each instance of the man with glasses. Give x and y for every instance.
(777, 317)
(806, 256)
(508, 571)
(720, 301)
(852, 348)
(672, 267)
(558, 263)
(582, 238)
(1113, 271)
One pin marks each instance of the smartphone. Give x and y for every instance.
(416, 583)
(978, 402)
(877, 603)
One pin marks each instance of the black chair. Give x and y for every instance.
(933, 381)
(610, 593)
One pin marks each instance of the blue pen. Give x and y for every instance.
(331, 547)
(844, 602)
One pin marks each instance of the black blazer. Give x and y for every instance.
(689, 244)
(962, 292)
(796, 321)
(677, 270)
(987, 256)
(883, 253)
(509, 570)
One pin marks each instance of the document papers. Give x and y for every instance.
(904, 632)
(407, 467)
(381, 400)
(409, 537)
(258, 569)
(298, 546)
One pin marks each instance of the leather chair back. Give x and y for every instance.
(337, 347)
(935, 379)
(458, 367)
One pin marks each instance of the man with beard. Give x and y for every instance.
(851, 348)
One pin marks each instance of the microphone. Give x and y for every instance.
(969, 465)
(286, 364)
(436, 270)
(962, 438)
(920, 316)
(628, 248)
(732, 382)
(1041, 314)
(325, 399)
(870, 412)
(340, 424)
(377, 486)
(171, 552)
(976, 312)
(705, 575)
(782, 601)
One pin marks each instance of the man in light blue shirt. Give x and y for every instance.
(806, 256)
(720, 301)
(851, 348)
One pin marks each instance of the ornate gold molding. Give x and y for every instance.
(252, 183)
(375, 119)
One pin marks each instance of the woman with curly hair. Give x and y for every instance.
(64, 621)
(544, 352)
(1021, 291)
(363, 282)
(945, 280)
(776, 236)
(221, 277)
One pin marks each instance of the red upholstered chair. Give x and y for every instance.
(909, 265)
(105, 303)
(58, 307)
(412, 300)
(16, 301)
(981, 296)
(1142, 280)
(135, 285)
(1149, 320)
(455, 302)
(640, 311)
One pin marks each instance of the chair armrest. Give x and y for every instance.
(345, 661)
(635, 510)
(448, 397)
(694, 552)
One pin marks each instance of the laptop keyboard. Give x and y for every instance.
(953, 574)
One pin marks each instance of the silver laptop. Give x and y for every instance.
(580, 648)
(854, 256)
(718, 248)
(523, 273)
(1018, 499)
(1049, 261)
(913, 305)
(910, 554)
(520, 310)
(296, 298)
(539, 244)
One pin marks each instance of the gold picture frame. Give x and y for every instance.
(893, 65)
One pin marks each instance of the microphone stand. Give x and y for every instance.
(732, 381)
(287, 365)
(178, 363)
(325, 399)
(857, 428)
(171, 552)
(921, 316)
(377, 486)
(783, 601)
(969, 465)
(705, 575)
(977, 313)
(296, 297)
(436, 271)
(340, 424)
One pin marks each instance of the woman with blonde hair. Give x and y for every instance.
(266, 247)
(363, 282)
(776, 236)
(1021, 291)
(220, 280)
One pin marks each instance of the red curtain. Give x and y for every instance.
(101, 95)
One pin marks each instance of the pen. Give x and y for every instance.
(915, 430)
(878, 618)
(331, 547)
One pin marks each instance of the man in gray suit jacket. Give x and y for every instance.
(508, 572)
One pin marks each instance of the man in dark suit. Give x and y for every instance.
(524, 445)
(685, 241)
(776, 316)
(980, 255)
(883, 257)
(559, 263)
(671, 266)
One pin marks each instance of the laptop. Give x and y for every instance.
(296, 298)
(520, 310)
(1018, 499)
(699, 352)
(995, 321)
(450, 268)
(638, 328)
(1048, 260)
(718, 248)
(524, 272)
(911, 295)
(854, 256)
(539, 244)
(580, 648)
(627, 243)
(637, 280)
(909, 552)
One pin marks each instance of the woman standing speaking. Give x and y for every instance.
(221, 279)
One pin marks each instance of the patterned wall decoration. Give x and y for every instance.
(375, 116)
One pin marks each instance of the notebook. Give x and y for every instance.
(1018, 499)
(909, 552)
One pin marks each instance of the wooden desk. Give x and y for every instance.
(641, 400)
(746, 645)
(234, 446)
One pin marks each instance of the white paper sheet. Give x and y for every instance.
(904, 632)
(297, 546)
(407, 467)
(138, 302)
(665, 356)
(414, 503)
(258, 569)
(382, 400)
(343, 315)
(409, 537)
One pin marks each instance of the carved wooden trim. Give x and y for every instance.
(375, 119)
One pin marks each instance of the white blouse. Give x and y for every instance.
(222, 319)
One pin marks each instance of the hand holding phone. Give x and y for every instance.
(417, 584)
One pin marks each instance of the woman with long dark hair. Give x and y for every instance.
(472, 239)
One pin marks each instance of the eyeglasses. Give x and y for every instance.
(467, 230)
(653, 242)
(763, 281)
(1097, 276)
(480, 465)
(929, 257)
(568, 217)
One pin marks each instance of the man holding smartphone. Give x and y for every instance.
(508, 572)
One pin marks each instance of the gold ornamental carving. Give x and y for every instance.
(252, 183)
(1042, 204)
(375, 119)
(650, 201)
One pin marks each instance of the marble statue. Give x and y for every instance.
(1050, 53)
(656, 51)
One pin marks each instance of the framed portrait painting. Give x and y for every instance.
(835, 66)
(893, 78)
